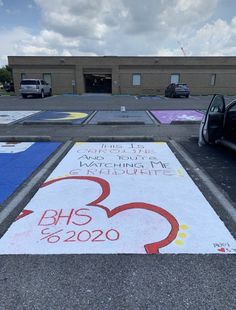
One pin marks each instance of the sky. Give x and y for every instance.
(117, 27)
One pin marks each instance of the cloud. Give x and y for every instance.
(124, 27)
(76, 18)
(217, 38)
(1, 3)
(12, 42)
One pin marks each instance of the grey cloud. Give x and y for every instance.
(142, 16)
(124, 27)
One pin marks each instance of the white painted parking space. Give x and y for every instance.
(118, 198)
(8, 117)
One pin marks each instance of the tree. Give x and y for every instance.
(5, 74)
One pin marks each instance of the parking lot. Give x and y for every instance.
(73, 193)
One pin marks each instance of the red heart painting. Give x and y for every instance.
(151, 248)
(23, 214)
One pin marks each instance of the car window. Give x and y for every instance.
(233, 107)
(217, 105)
(28, 82)
(184, 86)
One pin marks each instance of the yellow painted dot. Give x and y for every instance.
(180, 172)
(184, 227)
(182, 235)
(179, 242)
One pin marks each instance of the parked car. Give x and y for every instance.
(177, 90)
(219, 124)
(35, 87)
(9, 87)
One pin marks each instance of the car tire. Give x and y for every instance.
(187, 96)
(24, 96)
(50, 92)
(42, 94)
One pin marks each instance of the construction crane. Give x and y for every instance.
(181, 47)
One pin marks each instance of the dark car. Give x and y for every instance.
(177, 90)
(219, 124)
(9, 87)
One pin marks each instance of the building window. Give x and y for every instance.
(23, 76)
(47, 77)
(213, 79)
(174, 78)
(136, 81)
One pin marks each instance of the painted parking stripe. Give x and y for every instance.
(118, 198)
(9, 117)
(18, 161)
(169, 116)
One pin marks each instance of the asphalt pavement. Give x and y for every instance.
(165, 281)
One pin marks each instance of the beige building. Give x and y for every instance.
(127, 75)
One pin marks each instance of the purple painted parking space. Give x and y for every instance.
(169, 116)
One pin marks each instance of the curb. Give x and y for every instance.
(48, 123)
(121, 123)
(25, 138)
(120, 139)
(185, 122)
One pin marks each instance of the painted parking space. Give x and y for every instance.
(150, 97)
(55, 117)
(172, 116)
(18, 161)
(121, 117)
(9, 117)
(118, 198)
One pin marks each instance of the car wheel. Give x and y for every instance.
(24, 96)
(187, 96)
(50, 92)
(42, 94)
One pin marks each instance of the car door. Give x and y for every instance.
(172, 89)
(47, 87)
(230, 122)
(167, 90)
(211, 128)
(44, 87)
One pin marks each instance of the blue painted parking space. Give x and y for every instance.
(18, 161)
(55, 117)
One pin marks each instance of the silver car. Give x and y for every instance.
(35, 87)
